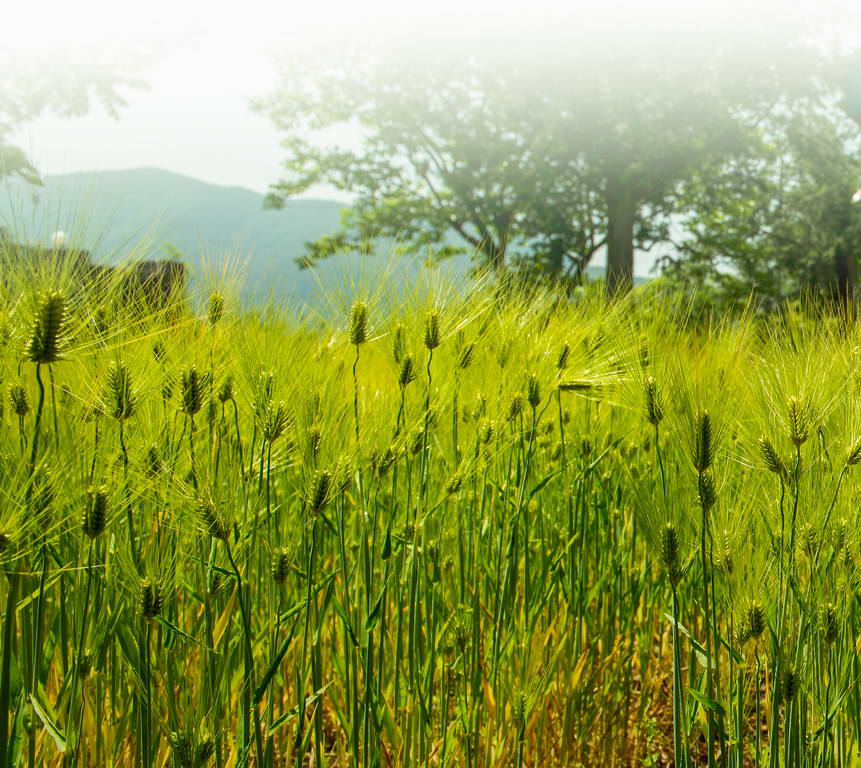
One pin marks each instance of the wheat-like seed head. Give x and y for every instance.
(703, 448)
(465, 356)
(225, 391)
(770, 457)
(150, 599)
(215, 309)
(399, 343)
(533, 391)
(654, 405)
(45, 342)
(432, 329)
(706, 490)
(276, 421)
(358, 323)
(120, 399)
(407, 372)
(515, 408)
(212, 520)
(754, 622)
(95, 512)
(191, 388)
(319, 491)
(798, 417)
(830, 624)
(18, 399)
(853, 455)
(281, 560)
(562, 360)
(670, 554)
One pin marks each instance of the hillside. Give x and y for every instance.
(111, 212)
(153, 212)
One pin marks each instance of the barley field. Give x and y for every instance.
(480, 527)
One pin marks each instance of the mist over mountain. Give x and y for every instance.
(155, 213)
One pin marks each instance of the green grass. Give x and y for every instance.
(455, 528)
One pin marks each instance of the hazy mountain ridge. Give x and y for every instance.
(152, 211)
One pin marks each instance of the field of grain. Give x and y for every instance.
(487, 527)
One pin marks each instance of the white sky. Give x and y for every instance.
(194, 118)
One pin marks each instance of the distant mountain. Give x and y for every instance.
(114, 212)
(156, 213)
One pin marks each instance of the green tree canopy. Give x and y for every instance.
(543, 147)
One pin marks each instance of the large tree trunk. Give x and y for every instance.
(845, 272)
(621, 212)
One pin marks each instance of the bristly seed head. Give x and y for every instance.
(191, 385)
(533, 391)
(854, 454)
(150, 599)
(19, 401)
(754, 622)
(703, 442)
(225, 391)
(562, 360)
(465, 357)
(277, 420)
(432, 330)
(770, 457)
(399, 343)
(281, 565)
(706, 490)
(44, 345)
(215, 310)
(799, 419)
(408, 371)
(212, 520)
(830, 624)
(358, 323)
(670, 554)
(654, 405)
(791, 684)
(119, 396)
(95, 512)
(319, 492)
(516, 408)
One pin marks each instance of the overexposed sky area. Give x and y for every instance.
(210, 59)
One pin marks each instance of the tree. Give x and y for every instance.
(778, 220)
(553, 142)
(66, 84)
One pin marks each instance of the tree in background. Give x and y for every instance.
(778, 220)
(551, 143)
